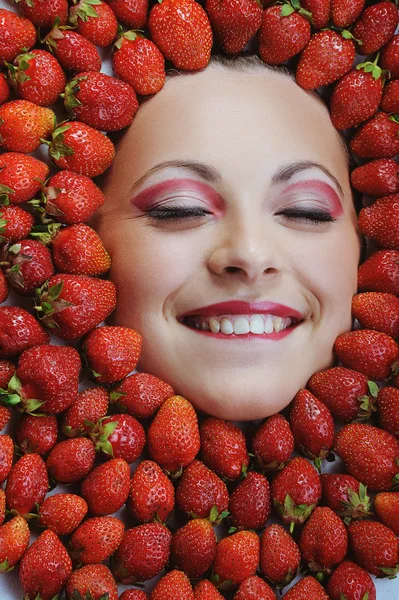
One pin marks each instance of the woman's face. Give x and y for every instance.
(258, 159)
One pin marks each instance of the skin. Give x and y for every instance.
(251, 125)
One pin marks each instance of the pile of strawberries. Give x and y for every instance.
(205, 470)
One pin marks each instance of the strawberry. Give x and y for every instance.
(62, 513)
(205, 590)
(95, 20)
(96, 539)
(193, 548)
(78, 147)
(79, 250)
(133, 595)
(119, 436)
(112, 352)
(380, 273)
(373, 353)
(15, 224)
(142, 553)
(390, 100)
(4, 89)
(379, 221)
(312, 425)
(43, 13)
(4, 289)
(5, 416)
(183, 33)
(305, 589)
(345, 12)
(370, 454)
(107, 487)
(151, 494)
(24, 124)
(14, 541)
(279, 556)
(139, 62)
(71, 460)
(351, 582)
(273, 443)
(131, 13)
(94, 580)
(2, 506)
(36, 434)
(346, 496)
(295, 491)
(45, 567)
(7, 368)
(73, 305)
(21, 173)
(281, 35)
(223, 448)
(234, 23)
(386, 507)
(378, 138)
(6, 456)
(18, 332)
(377, 178)
(249, 504)
(140, 395)
(320, 10)
(324, 540)
(327, 57)
(376, 26)
(388, 409)
(90, 406)
(27, 484)
(237, 557)
(173, 436)
(101, 101)
(254, 588)
(74, 51)
(173, 586)
(375, 547)
(199, 490)
(375, 310)
(18, 33)
(27, 264)
(390, 57)
(37, 76)
(70, 197)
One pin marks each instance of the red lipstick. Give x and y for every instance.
(245, 308)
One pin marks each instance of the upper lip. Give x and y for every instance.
(245, 308)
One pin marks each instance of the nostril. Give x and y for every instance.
(233, 269)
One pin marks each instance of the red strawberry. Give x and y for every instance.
(6, 456)
(139, 62)
(390, 100)
(45, 567)
(273, 443)
(193, 548)
(249, 504)
(375, 310)
(22, 174)
(390, 57)
(173, 586)
(107, 487)
(199, 490)
(205, 590)
(173, 436)
(305, 589)
(223, 448)
(380, 273)
(2, 506)
(327, 57)
(254, 588)
(370, 454)
(387, 508)
(96, 21)
(183, 33)
(71, 460)
(27, 264)
(18, 33)
(14, 541)
(62, 513)
(4, 89)
(388, 409)
(142, 553)
(38, 77)
(346, 496)
(119, 436)
(43, 13)
(234, 22)
(295, 491)
(79, 250)
(23, 125)
(380, 221)
(133, 594)
(96, 539)
(4, 289)
(27, 484)
(345, 12)
(352, 582)
(73, 305)
(378, 138)
(74, 51)
(320, 11)
(377, 178)
(141, 394)
(90, 405)
(132, 13)
(375, 547)
(112, 352)
(15, 224)
(282, 36)
(376, 26)
(279, 555)
(96, 580)
(151, 493)
(312, 425)
(373, 353)
(5, 416)
(36, 434)
(237, 558)
(18, 332)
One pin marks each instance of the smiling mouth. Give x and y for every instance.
(228, 325)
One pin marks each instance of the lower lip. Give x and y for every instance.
(246, 336)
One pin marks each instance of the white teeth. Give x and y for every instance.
(241, 326)
(214, 325)
(226, 326)
(278, 324)
(256, 325)
(269, 324)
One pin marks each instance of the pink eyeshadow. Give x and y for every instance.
(322, 188)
